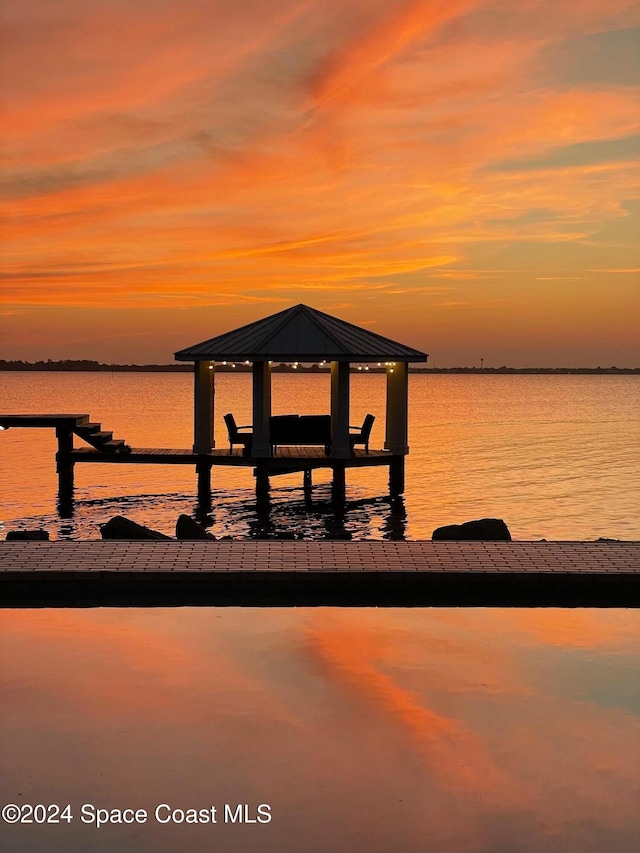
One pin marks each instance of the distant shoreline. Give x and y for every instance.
(69, 366)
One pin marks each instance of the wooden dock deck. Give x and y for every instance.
(104, 449)
(295, 458)
(320, 573)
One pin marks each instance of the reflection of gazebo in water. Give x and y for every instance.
(301, 335)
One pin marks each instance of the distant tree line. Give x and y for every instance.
(89, 366)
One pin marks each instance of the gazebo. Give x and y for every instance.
(301, 334)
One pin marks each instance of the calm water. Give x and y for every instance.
(372, 730)
(556, 457)
(394, 731)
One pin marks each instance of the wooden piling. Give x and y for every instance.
(307, 481)
(203, 472)
(65, 463)
(396, 476)
(262, 483)
(339, 485)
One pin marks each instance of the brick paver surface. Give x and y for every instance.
(321, 556)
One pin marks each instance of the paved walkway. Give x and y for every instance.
(284, 573)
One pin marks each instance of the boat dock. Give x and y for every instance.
(104, 449)
(279, 573)
(280, 444)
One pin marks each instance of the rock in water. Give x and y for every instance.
(188, 528)
(27, 536)
(120, 527)
(484, 529)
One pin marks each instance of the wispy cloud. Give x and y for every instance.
(231, 152)
(576, 155)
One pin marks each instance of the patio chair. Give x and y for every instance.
(237, 437)
(362, 434)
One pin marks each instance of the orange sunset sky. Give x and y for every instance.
(458, 174)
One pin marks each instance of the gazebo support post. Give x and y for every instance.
(203, 403)
(397, 408)
(340, 448)
(396, 438)
(261, 408)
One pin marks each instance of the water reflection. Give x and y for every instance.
(316, 515)
(394, 526)
(448, 730)
(285, 513)
(65, 503)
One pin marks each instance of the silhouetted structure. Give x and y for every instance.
(301, 335)
(271, 445)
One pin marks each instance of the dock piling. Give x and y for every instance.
(203, 472)
(396, 476)
(307, 481)
(65, 463)
(262, 483)
(338, 486)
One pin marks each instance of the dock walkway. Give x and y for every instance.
(104, 449)
(312, 573)
(296, 458)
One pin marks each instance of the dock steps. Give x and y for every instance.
(101, 439)
(96, 435)
(67, 425)
(117, 444)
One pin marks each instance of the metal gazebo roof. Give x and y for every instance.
(301, 334)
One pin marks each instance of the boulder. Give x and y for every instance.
(120, 527)
(484, 529)
(27, 536)
(188, 528)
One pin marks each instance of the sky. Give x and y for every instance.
(460, 175)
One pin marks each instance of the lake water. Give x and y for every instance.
(386, 730)
(558, 457)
